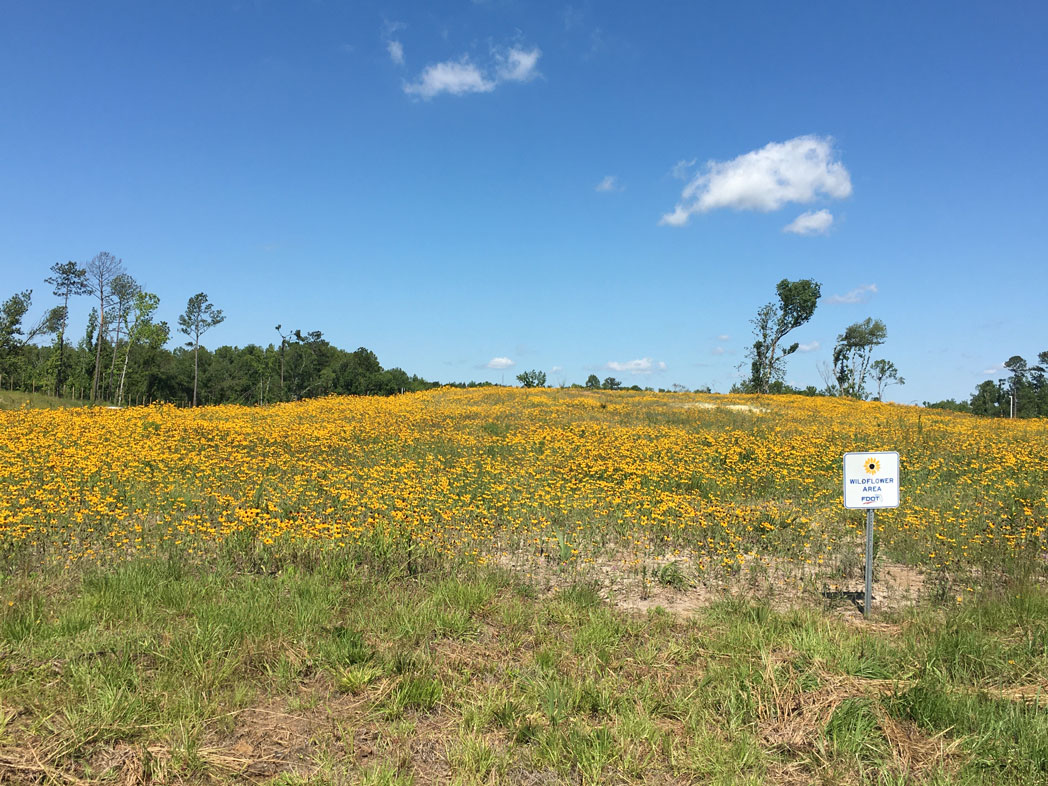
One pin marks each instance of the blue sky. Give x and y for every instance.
(478, 188)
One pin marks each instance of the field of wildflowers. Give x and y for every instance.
(414, 591)
(549, 479)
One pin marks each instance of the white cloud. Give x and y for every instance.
(556, 369)
(813, 222)
(610, 183)
(500, 363)
(723, 337)
(678, 218)
(808, 347)
(455, 77)
(857, 295)
(517, 65)
(462, 76)
(396, 52)
(717, 351)
(995, 370)
(641, 366)
(798, 170)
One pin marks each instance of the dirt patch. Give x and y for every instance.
(686, 583)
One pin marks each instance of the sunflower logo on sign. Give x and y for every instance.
(872, 466)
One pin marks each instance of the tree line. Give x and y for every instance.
(121, 356)
(1021, 394)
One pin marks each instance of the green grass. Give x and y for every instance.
(162, 671)
(16, 399)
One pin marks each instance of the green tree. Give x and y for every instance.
(593, 382)
(949, 404)
(200, 317)
(884, 373)
(101, 271)
(532, 379)
(82, 366)
(989, 399)
(610, 383)
(1039, 380)
(124, 289)
(797, 302)
(12, 312)
(851, 355)
(1021, 387)
(139, 326)
(13, 338)
(362, 370)
(69, 280)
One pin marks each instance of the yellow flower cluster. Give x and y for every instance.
(569, 476)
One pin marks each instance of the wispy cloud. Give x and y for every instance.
(724, 337)
(813, 222)
(798, 170)
(573, 17)
(640, 366)
(682, 169)
(393, 46)
(462, 76)
(610, 183)
(814, 345)
(500, 363)
(857, 295)
(718, 351)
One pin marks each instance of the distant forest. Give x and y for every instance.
(1022, 394)
(121, 357)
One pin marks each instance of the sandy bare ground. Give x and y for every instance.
(674, 585)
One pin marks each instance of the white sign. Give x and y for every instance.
(871, 480)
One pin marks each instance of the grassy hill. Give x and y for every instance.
(510, 586)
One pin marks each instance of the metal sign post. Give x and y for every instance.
(871, 481)
(869, 564)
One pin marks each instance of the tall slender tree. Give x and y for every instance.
(851, 355)
(69, 280)
(125, 289)
(101, 271)
(885, 373)
(283, 343)
(138, 325)
(797, 301)
(199, 318)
